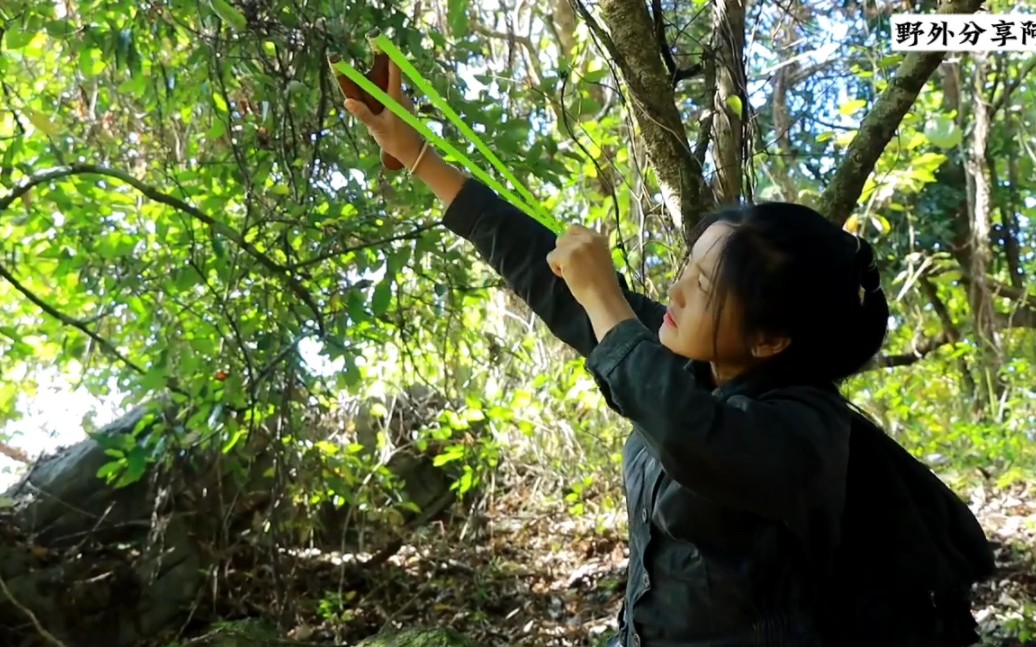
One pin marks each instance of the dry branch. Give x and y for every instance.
(49, 637)
(14, 453)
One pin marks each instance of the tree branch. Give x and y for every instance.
(14, 453)
(48, 637)
(941, 311)
(1020, 318)
(675, 73)
(105, 345)
(663, 43)
(924, 346)
(1024, 317)
(920, 349)
(168, 200)
(524, 41)
(998, 289)
(341, 251)
(949, 327)
(877, 129)
(1011, 86)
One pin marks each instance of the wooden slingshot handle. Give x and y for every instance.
(379, 76)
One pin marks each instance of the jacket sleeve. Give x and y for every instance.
(516, 246)
(777, 456)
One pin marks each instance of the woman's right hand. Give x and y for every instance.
(395, 137)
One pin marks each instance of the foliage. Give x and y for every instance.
(187, 216)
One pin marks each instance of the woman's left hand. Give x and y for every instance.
(583, 260)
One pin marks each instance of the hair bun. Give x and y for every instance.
(866, 267)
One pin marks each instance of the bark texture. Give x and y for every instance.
(632, 42)
(731, 99)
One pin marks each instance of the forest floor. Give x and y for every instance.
(544, 578)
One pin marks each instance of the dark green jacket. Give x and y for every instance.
(735, 496)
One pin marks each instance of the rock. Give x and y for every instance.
(99, 565)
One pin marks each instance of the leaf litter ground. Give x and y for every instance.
(546, 578)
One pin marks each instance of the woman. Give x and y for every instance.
(749, 524)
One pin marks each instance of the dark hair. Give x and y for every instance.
(794, 273)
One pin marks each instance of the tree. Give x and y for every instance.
(191, 222)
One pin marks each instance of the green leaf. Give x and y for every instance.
(382, 297)
(355, 303)
(587, 106)
(91, 62)
(452, 453)
(350, 376)
(135, 86)
(15, 38)
(19, 344)
(136, 466)
(467, 480)
(217, 245)
(850, 107)
(229, 14)
(110, 469)
(235, 437)
(942, 132)
(41, 121)
(457, 17)
(153, 379)
(734, 103)
(220, 102)
(219, 128)
(881, 224)
(60, 28)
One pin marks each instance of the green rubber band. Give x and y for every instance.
(355, 76)
(383, 43)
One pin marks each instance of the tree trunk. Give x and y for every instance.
(787, 77)
(731, 99)
(980, 298)
(632, 42)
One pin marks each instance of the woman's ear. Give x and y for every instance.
(768, 346)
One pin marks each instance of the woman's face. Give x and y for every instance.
(690, 327)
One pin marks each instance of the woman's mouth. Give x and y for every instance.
(668, 319)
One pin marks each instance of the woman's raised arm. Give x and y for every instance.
(513, 244)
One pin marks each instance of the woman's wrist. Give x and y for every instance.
(425, 147)
(607, 311)
(411, 152)
(444, 180)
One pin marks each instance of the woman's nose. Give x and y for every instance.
(676, 294)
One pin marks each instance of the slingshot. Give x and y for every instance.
(371, 89)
